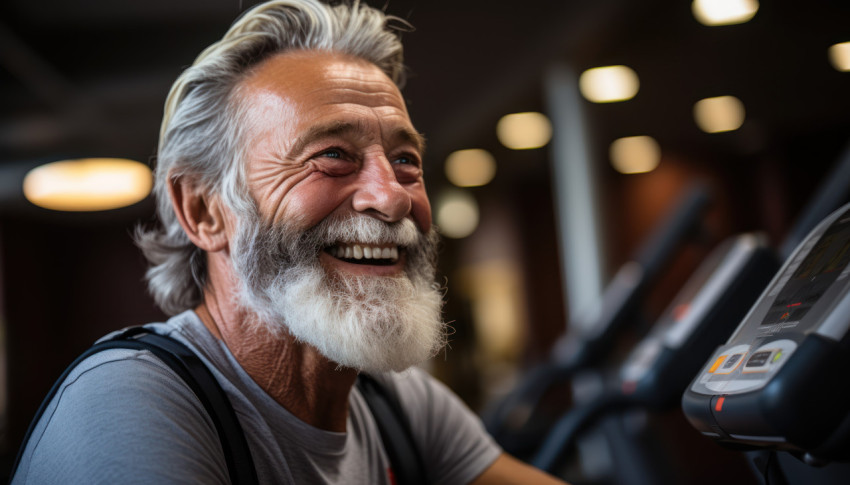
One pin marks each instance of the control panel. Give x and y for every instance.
(779, 381)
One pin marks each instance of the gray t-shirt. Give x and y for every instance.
(123, 416)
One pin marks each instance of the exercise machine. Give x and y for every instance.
(589, 341)
(777, 384)
(701, 316)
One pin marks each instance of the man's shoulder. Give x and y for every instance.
(117, 381)
(114, 406)
(421, 394)
(124, 379)
(450, 436)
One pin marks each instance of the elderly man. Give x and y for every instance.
(295, 251)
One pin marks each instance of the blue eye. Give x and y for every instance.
(332, 153)
(405, 161)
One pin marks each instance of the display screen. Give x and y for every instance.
(813, 277)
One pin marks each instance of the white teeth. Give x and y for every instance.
(357, 251)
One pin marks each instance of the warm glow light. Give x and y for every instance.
(494, 288)
(724, 12)
(89, 184)
(456, 214)
(522, 131)
(839, 56)
(608, 84)
(723, 113)
(635, 154)
(470, 168)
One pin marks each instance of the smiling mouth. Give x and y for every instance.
(378, 255)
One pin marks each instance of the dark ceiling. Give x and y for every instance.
(88, 77)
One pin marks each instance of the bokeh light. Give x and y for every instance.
(456, 214)
(609, 84)
(724, 12)
(719, 114)
(470, 168)
(635, 154)
(90, 184)
(839, 56)
(523, 131)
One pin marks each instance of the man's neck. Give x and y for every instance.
(293, 373)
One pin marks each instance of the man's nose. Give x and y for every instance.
(379, 193)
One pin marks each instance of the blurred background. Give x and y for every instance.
(559, 134)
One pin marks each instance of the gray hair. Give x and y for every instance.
(201, 137)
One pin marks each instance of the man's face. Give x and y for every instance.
(341, 253)
(330, 136)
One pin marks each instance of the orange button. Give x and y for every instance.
(716, 364)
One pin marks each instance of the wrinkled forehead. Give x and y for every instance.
(316, 76)
(295, 92)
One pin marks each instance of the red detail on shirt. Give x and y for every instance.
(391, 476)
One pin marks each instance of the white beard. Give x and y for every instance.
(368, 323)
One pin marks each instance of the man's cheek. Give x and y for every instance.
(422, 212)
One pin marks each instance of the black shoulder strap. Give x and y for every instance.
(197, 376)
(395, 432)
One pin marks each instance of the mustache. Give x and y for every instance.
(362, 229)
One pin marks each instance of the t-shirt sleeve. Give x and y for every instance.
(454, 444)
(122, 416)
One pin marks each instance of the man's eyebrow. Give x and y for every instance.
(406, 135)
(317, 132)
(346, 128)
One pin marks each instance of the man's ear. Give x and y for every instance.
(201, 215)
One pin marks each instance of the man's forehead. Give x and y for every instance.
(308, 70)
(319, 93)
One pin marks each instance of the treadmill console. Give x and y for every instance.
(779, 381)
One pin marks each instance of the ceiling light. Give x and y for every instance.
(724, 12)
(719, 114)
(839, 56)
(457, 214)
(635, 154)
(522, 131)
(89, 184)
(609, 84)
(470, 168)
